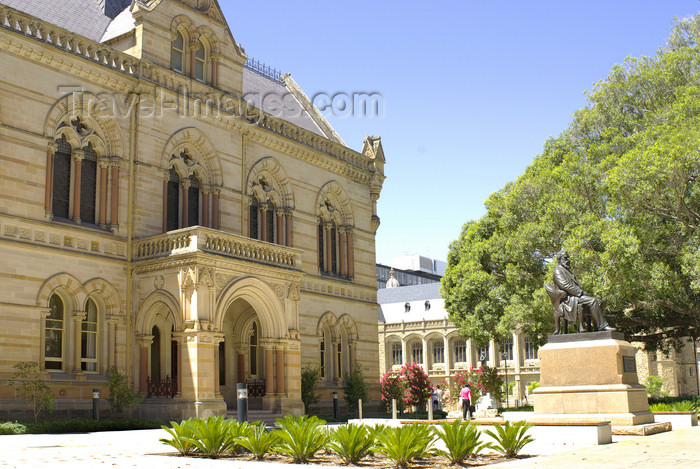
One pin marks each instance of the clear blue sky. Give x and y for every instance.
(471, 89)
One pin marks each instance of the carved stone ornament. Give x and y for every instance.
(159, 282)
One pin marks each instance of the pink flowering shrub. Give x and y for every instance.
(483, 380)
(411, 386)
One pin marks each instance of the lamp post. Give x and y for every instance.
(335, 405)
(504, 355)
(242, 394)
(96, 404)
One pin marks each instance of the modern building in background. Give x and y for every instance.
(411, 270)
(154, 220)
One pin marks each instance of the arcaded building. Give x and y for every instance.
(158, 215)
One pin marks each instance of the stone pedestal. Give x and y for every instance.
(590, 377)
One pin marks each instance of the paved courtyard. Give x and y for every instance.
(141, 449)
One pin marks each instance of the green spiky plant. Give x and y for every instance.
(509, 439)
(258, 441)
(182, 434)
(351, 442)
(461, 440)
(213, 436)
(405, 444)
(301, 437)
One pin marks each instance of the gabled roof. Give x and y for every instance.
(392, 303)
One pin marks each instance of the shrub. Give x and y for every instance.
(85, 425)
(405, 443)
(509, 439)
(28, 383)
(213, 436)
(300, 437)
(392, 388)
(309, 379)
(532, 386)
(355, 387)
(351, 442)
(258, 441)
(417, 385)
(182, 437)
(121, 394)
(461, 440)
(12, 428)
(654, 386)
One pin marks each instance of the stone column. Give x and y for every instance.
(43, 314)
(78, 318)
(269, 371)
(194, 47)
(78, 156)
(425, 354)
(48, 196)
(352, 344)
(280, 228)
(404, 358)
(351, 259)
(144, 342)
(114, 222)
(448, 365)
(281, 369)
(184, 196)
(329, 262)
(205, 207)
(494, 358)
(217, 365)
(288, 226)
(215, 215)
(214, 70)
(104, 164)
(471, 353)
(517, 352)
(112, 321)
(241, 365)
(263, 221)
(166, 179)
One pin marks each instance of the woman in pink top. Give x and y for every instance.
(466, 395)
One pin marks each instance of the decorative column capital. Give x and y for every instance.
(51, 145)
(104, 162)
(185, 184)
(78, 316)
(78, 155)
(144, 340)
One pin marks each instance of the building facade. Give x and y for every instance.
(160, 216)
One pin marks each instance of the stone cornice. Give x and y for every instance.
(70, 52)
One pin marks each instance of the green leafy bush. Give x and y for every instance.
(310, 377)
(532, 386)
(12, 428)
(258, 441)
(654, 385)
(182, 437)
(30, 387)
(405, 444)
(355, 387)
(461, 440)
(678, 406)
(510, 438)
(85, 425)
(121, 394)
(300, 437)
(351, 442)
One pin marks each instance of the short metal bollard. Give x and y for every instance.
(335, 405)
(393, 409)
(242, 402)
(359, 407)
(96, 404)
(430, 410)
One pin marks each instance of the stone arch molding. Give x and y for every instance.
(190, 152)
(336, 325)
(262, 298)
(268, 182)
(333, 204)
(194, 33)
(82, 119)
(77, 293)
(152, 306)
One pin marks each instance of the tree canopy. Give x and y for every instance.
(619, 190)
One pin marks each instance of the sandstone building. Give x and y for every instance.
(171, 210)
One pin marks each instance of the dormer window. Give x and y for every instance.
(179, 53)
(427, 305)
(407, 307)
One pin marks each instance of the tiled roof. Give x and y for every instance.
(426, 291)
(392, 303)
(84, 17)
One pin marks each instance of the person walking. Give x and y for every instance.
(466, 396)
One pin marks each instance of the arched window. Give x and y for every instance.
(438, 351)
(328, 240)
(460, 351)
(407, 307)
(531, 350)
(483, 355)
(322, 351)
(321, 248)
(507, 349)
(88, 338)
(396, 354)
(200, 62)
(253, 356)
(88, 185)
(173, 201)
(53, 335)
(178, 53)
(155, 354)
(339, 360)
(270, 223)
(61, 179)
(253, 215)
(193, 202)
(417, 352)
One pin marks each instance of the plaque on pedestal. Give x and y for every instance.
(590, 377)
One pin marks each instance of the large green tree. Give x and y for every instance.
(619, 190)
